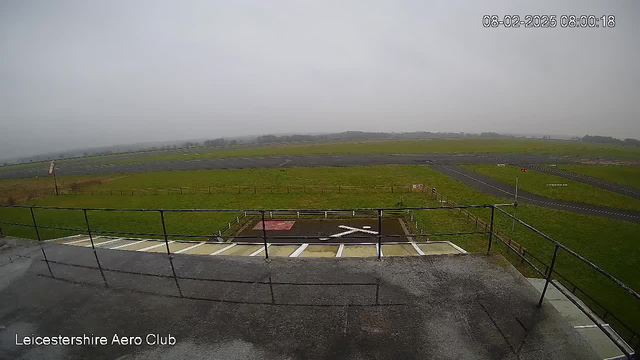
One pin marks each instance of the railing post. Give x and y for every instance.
(549, 274)
(166, 242)
(264, 236)
(379, 234)
(164, 232)
(95, 254)
(35, 226)
(493, 209)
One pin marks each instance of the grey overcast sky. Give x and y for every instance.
(91, 73)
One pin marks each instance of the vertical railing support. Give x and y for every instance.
(379, 234)
(164, 232)
(549, 274)
(166, 243)
(35, 226)
(93, 246)
(493, 210)
(264, 236)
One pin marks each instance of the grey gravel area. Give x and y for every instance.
(431, 307)
(494, 187)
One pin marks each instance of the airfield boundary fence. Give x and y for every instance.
(253, 189)
(629, 337)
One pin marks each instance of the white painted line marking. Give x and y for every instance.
(189, 248)
(125, 245)
(340, 249)
(65, 238)
(75, 242)
(463, 251)
(589, 326)
(105, 242)
(223, 249)
(299, 250)
(415, 246)
(155, 246)
(356, 229)
(259, 250)
(366, 227)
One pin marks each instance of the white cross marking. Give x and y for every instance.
(350, 231)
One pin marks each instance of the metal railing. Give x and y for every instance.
(251, 189)
(379, 213)
(632, 341)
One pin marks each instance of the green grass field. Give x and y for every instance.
(624, 175)
(507, 146)
(609, 243)
(535, 182)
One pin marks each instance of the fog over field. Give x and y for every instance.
(77, 74)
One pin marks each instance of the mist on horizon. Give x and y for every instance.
(79, 74)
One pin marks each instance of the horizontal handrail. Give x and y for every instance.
(578, 256)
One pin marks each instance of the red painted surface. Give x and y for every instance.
(274, 225)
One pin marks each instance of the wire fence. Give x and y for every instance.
(252, 189)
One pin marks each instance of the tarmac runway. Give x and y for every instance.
(493, 187)
(86, 168)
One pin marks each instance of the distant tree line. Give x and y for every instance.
(610, 140)
(297, 138)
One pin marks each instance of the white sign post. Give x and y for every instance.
(52, 171)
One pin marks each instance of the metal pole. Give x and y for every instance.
(95, 254)
(35, 226)
(513, 223)
(264, 236)
(164, 232)
(166, 242)
(379, 234)
(549, 274)
(55, 182)
(493, 209)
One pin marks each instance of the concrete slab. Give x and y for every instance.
(574, 316)
(313, 251)
(173, 247)
(140, 245)
(241, 250)
(359, 251)
(437, 248)
(399, 250)
(598, 340)
(228, 307)
(605, 348)
(207, 249)
(118, 243)
(281, 250)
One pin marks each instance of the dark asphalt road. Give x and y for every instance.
(438, 307)
(603, 184)
(285, 161)
(493, 187)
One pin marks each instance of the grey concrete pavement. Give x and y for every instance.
(440, 307)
